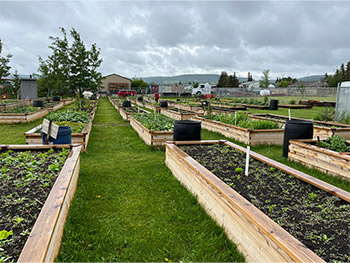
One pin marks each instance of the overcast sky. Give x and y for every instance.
(166, 38)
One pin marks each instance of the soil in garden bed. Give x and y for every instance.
(181, 110)
(316, 218)
(26, 179)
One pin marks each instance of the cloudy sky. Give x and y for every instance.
(166, 38)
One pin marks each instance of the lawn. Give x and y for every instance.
(129, 207)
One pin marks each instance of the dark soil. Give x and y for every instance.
(316, 218)
(26, 179)
(180, 110)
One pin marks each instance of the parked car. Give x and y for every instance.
(125, 93)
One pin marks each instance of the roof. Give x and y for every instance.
(309, 84)
(116, 75)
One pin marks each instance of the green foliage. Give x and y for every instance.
(244, 121)
(265, 79)
(335, 143)
(154, 122)
(70, 68)
(27, 109)
(341, 74)
(226, 80)
(69, 115)
(76, 126)
(238, 170)
(5, 234)
(292, 102)
(4, 64)
(325, 114)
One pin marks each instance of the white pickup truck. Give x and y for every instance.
(202, 89)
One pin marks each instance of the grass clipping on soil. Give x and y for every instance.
(316, 218)
(26, 178)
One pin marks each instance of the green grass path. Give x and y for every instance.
(129, 207)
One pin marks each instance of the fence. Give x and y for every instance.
(326, 94)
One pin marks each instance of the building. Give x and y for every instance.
(112, 83)
(309, 84)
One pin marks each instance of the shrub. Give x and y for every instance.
(326, 114)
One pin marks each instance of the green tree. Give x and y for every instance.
(265, 79)
(233, 81)
(4, 65)
(347, 71)
(139, 84)
(223, 80)
(250, 76)
(70, 68)
(16, 84)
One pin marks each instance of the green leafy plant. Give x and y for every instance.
(69, 115)
(27, 109)
(335, 143)
(154, 122)
(5, 234)
(326, 114)
(239, 170)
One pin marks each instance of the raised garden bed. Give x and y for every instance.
(33, 136)
(153, 137)
(275, 214)
(37, 185)
(328, 161)
(254, 106)
(245, 135)
(4, 105)
(294, 106)
(22, 117)
(195, 108)
(317, 103)
(322, 129)
(177, 114)
(219, 108)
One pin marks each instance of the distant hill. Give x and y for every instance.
(312, 78)
(186, 79)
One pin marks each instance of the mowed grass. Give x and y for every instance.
(129, 207)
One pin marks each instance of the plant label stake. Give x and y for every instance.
(138, 109)
(235, 118)
(247, 161)
(289, 113)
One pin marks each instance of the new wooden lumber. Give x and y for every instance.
(152, 138)
(308, 153)
(44, 240)
(247, 136)
(258, 237)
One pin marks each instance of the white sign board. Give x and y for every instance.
(53, 128)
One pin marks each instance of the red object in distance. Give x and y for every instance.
(125, 93)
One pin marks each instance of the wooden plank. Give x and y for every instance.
(258, 237)
(44, 240)
(152, 138)
(325, 160)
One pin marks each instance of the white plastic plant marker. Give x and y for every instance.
(235, 118)
(289, 113)
(247, 161)
(138, 109)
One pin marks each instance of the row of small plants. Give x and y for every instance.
(7, 101)
(26, 109)
(75, 119)
(242, 120)
(26, 178)
(154, 122)
(336, 143)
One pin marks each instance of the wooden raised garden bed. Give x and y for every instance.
(195, 108)
(152, 138)
(20, 103)
(307, 152)
(44, 239)
(322, 129)
(177, 114)
(257, 235)
(294, 106)
(33, 136)
(254, 106)
(22, 117)
(247, 136)
(317, 103)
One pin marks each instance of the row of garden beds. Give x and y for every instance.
(30, 113)
(258, 236)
